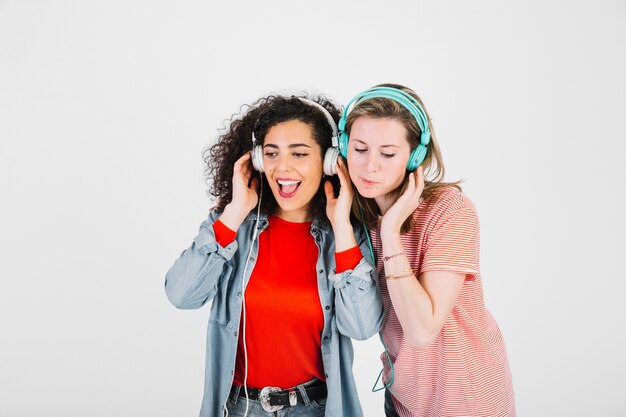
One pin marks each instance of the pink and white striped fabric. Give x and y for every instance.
(465, 371)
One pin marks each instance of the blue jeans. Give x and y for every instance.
(236, 407)
(390, 410)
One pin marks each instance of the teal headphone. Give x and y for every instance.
(408, 102)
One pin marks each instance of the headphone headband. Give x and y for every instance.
(329, 117)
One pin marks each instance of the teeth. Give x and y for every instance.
(290, 182)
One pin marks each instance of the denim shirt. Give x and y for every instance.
(350, 301)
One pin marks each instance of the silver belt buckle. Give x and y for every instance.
(293, 397)
(264, 398)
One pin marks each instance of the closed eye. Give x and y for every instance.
(388, 155)
(300, 155)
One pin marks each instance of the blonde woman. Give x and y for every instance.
(446, 353)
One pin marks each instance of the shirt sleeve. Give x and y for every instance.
(223, 235)
(454, 244)
(347, 259)
(194, 278)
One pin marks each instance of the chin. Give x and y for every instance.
(369, 193)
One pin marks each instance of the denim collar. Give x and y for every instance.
(318, 226)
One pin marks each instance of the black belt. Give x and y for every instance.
(284, 397)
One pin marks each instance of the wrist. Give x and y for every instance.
(391, 256)
(387, 232)
(233, 216)
(342, 226)
(344, 237)
(389, 225)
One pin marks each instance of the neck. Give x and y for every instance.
(384, 202)
(294, 217)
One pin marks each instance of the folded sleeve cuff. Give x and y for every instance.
(347, 259)
(223, 235)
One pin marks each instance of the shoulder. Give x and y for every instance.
(445, 204)
(250, 220)
(449, 198)
(446, 199)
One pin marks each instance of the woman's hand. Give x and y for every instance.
(338, 208)
(405, 205)
(245, 196)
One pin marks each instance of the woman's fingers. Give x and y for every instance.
(342, 173)
(242, 160)
(244, 185)
(416, 183)
(410, 187)
(254, 184)
(243, 167)
(419, 174)
(328, 190)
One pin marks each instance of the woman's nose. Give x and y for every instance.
(372, 163)
(284, 163)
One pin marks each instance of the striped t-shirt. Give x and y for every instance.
(465, 371)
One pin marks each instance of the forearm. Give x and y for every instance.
(344, 236)
(233, 216)
(411, 302)
(424, 302)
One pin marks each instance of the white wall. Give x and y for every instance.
(105, 107)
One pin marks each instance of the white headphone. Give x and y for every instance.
(332, 153)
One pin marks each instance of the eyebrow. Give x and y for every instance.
(381, 146)
(293, 145)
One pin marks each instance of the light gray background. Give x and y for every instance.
(105, 107)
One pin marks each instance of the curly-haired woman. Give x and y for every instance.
(279, 259)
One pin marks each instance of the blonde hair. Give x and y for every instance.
(366, 209)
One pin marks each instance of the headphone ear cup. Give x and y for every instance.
(416, 158)
(343, 144)
(330, 161)
(257, 158)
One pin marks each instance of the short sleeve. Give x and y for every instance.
(454, 244)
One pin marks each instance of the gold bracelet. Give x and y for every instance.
(386, 258)
(408, 272)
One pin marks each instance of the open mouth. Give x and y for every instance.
(288, 188)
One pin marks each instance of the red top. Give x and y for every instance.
(284, 318)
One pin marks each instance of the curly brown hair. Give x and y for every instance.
(259, 118)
